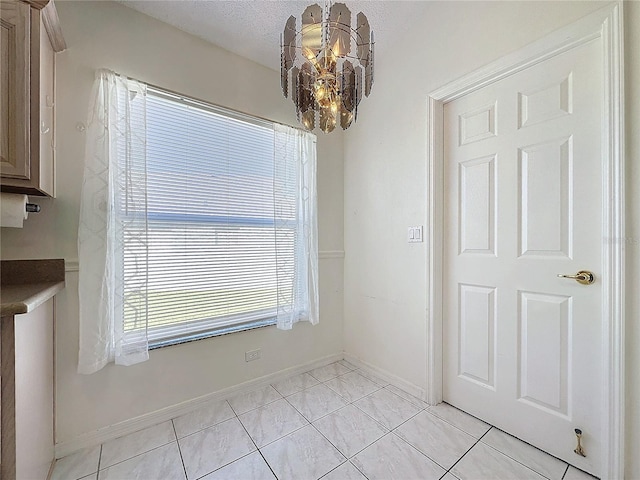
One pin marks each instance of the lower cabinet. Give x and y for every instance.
(26, 409)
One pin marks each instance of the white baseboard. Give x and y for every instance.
(388, 377)
(111, 432)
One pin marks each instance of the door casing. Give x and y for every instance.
(606, 25)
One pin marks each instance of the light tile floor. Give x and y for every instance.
(336, 422)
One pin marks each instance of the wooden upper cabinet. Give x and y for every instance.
(15, 23)
(31, 37)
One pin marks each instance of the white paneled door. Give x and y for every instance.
(523, 193)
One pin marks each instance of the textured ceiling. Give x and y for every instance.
(252, 28)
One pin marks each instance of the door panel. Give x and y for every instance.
(477, 205)
(522, 205)
(545, 172)
(544, 323)
(477, 328)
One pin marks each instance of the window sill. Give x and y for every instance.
(212, 333)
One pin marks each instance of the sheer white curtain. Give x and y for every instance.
(295, 215)
(113, 202)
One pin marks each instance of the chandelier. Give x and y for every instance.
(328, 65)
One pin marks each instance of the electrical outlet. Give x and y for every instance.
(252, 355)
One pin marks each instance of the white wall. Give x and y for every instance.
(385, 175)
(109, 35)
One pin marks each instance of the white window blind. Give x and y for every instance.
(210, 222)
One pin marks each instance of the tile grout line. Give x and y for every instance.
(311, 423)
(428, 409)
(565, 472)
(225, 465)
(332, 470)
(491, 446)
(326, 414)
(350, 385)
(330, 378)
(202, 429)
(337, 450)
(191, 412)
(387, 430)
(344, 463)
(99, 460)
(279, 438)
(348, 459)
(239, 458)
(297, 410)
(256, 408)
(495, 448)
(532, 446)
(350, 402)
(518, 461)
(268, 464)
(184, 468)
(424, 405)
(470, 448)
(420, 452)
(408, 419)
(394, 431)
(339, 408)
(297, 391)
(356, 467)
(364, 448)
(257, 449)
(134, 456)
(284, 436)
(319, 418)
(375, 420)
(466, 433)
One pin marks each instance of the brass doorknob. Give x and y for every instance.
(583, 277)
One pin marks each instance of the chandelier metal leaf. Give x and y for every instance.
(328, 65)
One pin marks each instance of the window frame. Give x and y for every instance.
(157, 340)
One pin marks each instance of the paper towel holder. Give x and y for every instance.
(32, 208)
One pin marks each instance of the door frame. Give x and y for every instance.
(605, 24)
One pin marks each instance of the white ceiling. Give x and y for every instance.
(252, 28)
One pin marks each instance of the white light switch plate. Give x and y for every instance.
(415, 234)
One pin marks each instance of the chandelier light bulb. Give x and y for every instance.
(307, 52)
(321, 92)
(327, 64)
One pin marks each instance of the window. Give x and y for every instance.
(215, 259)
(194, 221)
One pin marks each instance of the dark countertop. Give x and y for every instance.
(26, 284)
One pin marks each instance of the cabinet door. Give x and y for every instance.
(14, 89)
